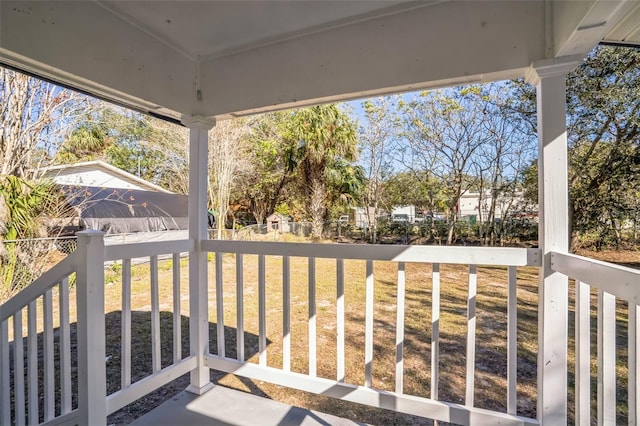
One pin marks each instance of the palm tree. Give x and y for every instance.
(318, 137)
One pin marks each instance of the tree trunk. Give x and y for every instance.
(372, 222)
(452, 226)
(454, 212)
(573, 235)
(317, 197)
(481, 219)
(259, 212)
(492, 216)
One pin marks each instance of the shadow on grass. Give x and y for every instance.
(491, 342)
(141, 361)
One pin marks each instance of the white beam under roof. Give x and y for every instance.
(437, 45)
(213, 58)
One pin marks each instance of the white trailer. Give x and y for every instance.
(360, 218)
(401, 211)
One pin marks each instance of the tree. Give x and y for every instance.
(227, 142)
(445, 131)
(317, 138)
(466, 139)
(24, 208)
(173, 141)
(378, 136)
(35, 118)
(147, 147)
(86, 142)
(603, 130)
(265, 179)
(603, 107)
(501, 160)
(346, 182)
(420, 189)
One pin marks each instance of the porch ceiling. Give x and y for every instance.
(204, 29)
(220, 58)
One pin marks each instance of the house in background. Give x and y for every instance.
(98, 174)
(102, 197)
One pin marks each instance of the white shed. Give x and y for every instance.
(362, 216)
(278, 222)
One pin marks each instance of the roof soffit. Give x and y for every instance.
(627, 31)
(580, 25)
(81, 45)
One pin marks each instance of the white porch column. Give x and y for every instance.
(553, 235)
(198, 288)
(92, 376)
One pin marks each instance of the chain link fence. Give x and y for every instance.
(22, 261)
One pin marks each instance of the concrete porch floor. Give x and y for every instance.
(223, 406)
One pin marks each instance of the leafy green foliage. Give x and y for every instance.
(346, 183)
(604, 135)
(132, 142)
(425, 192)
(603, 130)
(321, 140)
(86, 142)
(27, 205)
(264, 183)
(26, 202)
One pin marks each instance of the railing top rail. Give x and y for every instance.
(37, 288)
(621, 281)
(506, 256)
(135, 250)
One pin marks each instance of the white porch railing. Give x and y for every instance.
(364, 393)
(71, 379)
(53, 377)
(180, 363)
(46, 379)
(37, 295)
(611, 282)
